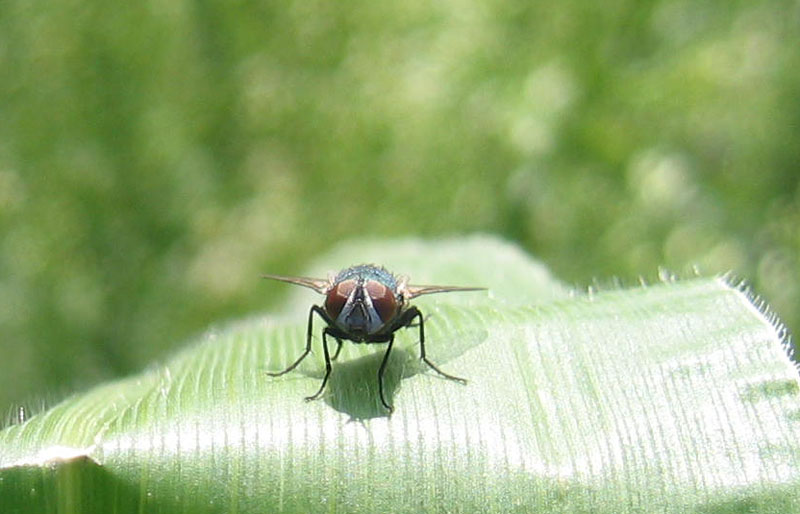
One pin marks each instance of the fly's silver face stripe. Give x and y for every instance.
(359, 295)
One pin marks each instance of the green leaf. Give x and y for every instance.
(673, 397)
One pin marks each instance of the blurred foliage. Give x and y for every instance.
(156, 156)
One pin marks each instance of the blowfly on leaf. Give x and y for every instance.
(365, 304)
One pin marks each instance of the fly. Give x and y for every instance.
(365, 304)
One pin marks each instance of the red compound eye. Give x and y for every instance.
(383, 300)
(337, 297)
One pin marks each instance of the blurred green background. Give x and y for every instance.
(156, 156)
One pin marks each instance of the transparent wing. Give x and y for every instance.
(414, 291)
(317, 284)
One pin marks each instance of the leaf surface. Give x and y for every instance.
(673, 397)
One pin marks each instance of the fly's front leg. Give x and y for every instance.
(327, 365)
(338, 348)
(318, 310)
(416, 324)
(413, 312)
(380, 375)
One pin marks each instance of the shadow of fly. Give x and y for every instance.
(365, 304)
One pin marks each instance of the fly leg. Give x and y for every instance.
(327, 365)
(338, 348)
(416, 323)
(318, 310)
(413, 312)
(380, 375)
